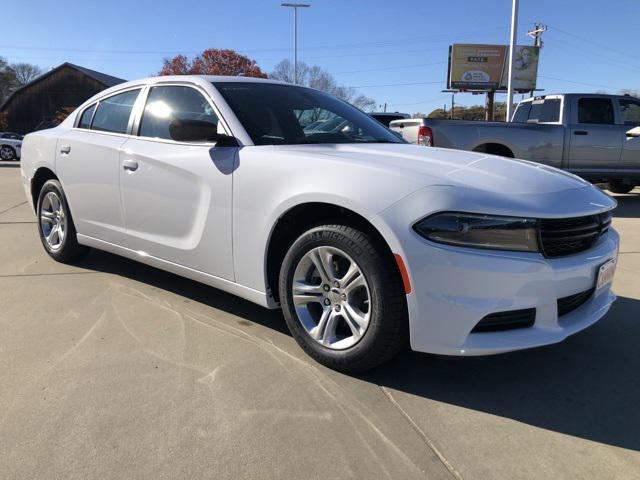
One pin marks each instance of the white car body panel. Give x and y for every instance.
(188, 223)
(90, 176)
(208, 213)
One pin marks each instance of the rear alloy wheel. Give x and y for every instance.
(618, 186)
(7, 153)
(343, 299)
(55, 225)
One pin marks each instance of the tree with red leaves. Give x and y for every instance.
(213, 62)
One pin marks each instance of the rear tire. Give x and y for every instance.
(55, 224)
(618, 186)
(359, 297)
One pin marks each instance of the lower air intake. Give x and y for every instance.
(510, 320)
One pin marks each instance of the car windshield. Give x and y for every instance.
(275, 114)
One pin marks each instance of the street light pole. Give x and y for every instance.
(512, 48)
(295, 7)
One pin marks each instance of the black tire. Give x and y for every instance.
(387, 331)
(618, 186)
(10, 153)
(69, 250)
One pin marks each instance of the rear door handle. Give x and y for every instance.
(65, 149)
(130, 165)
(580, 132)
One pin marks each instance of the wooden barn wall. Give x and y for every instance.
(40, 101)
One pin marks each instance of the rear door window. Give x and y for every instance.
(113, 112)
(87, 115)
(630, 110)
(595, 110)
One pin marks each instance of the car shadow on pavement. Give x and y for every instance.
(198, 292)
(628, 206)
(586, 386)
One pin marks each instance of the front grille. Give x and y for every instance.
(566, 236)
(506, 321)
(570, 303)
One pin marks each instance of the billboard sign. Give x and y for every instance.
(484, 67)
(525, 68)
(476, 67)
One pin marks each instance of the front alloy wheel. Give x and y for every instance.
(342, 298)
(331, 297)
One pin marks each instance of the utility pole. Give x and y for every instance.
(536, 34)
(512, 51)
(489, 115)
(452, 103)
(295, 7)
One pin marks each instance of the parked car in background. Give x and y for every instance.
(594, 136)
(10, 146)
(11, 135)
(367, 243)
(386, 118)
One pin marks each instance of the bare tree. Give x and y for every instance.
(25, 72)
(7, 80)
(317, 77)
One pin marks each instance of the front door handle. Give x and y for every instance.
(130, 165)
(65, 149)
(580, 132)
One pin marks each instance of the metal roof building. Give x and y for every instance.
(35, 105)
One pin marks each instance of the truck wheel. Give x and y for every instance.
(343, 298)
(618, 186)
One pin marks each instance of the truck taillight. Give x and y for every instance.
(425, 136)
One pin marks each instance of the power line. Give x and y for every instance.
(420, 102)
(391, 68)
(581, 83)
(441, 82)
(598, 44)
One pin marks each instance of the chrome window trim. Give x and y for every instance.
(138, 108)
(76, 120)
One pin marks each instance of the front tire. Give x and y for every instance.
(55, 225)
(343, 298)
(618, 186)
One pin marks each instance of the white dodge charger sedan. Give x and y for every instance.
(364, 241)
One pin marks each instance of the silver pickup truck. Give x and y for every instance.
(592, 135)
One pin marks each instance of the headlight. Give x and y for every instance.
(480, 231)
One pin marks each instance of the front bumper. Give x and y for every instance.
(454, 288)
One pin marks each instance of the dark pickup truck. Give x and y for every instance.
(594, 136)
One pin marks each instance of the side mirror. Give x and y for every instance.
(634, 132)
(199, 131)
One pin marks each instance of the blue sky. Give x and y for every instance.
(392, 51)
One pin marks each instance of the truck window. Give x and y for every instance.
(595, 110)
(521, 115)
(630, 111)
(545, 111)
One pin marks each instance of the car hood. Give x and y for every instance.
(439, 166)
